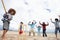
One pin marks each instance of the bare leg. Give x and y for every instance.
(33, 33)
(4, 32)
(29, 33)
(56, 35)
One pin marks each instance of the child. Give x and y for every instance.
(56, 23)
(6, 20)
(44, 28)
(21, 28)
(38, 28)
(32, 27)
(21, 31)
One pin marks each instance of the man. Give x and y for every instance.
(32, 25)
(44, 28)
(56, 23)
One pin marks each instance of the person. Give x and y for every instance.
(39, 29)
(7, 17)
(21, 31)
(56, 23)
(44, 28)
(32, 25)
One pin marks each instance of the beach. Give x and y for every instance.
(12, 35)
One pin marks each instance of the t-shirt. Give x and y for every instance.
(56, 23)
(7, 17)
(32, 25)
(39, 27)
(44, 26)
(10, 16)
(20, 27)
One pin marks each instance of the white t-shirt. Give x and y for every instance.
(9, 17)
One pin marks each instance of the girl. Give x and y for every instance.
(7, 17)
(21, 31)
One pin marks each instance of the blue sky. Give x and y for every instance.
(28, 10)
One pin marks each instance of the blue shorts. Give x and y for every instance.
(57, 29)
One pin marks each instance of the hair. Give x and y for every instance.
(43, 22)
(56, 19)
(32, 22)
(21, 22)
(12, 10)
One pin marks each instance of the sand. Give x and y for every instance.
(11, 35)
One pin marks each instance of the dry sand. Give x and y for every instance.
(11, 35)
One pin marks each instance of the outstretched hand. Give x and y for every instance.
(39, 21)
(59, 15)
(47, 23)
(51, 19)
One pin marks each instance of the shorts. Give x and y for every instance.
(32, 30)
(6, 25)
(57, 29)
(21, 31)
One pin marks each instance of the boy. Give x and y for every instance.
(38, 28)
(56, 23)
(32, 27)
(6, 20)
(44, 28)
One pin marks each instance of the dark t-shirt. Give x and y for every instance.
(44, 26)
(20, 27)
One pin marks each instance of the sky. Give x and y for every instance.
(28, 10)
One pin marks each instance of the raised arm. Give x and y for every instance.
(34, 21)
(29, 23)
(51, 21)
(59, 18)
(40, 23)
(47, 24)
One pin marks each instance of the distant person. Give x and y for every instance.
(44, 28)
(21, 31)
(21, 28)
(56, 23)
(7, 17)
(39, 29)
(32, 25)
